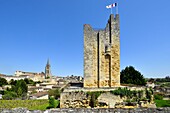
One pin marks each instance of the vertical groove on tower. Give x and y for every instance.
(110, 30)
(98, 60)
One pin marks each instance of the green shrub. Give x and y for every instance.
(162, 103)
(158, 97)
(3, 81)
(124, 92)
(55, 93)
(53, 103)
(9, 95)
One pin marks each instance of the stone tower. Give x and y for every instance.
(102, 55)
(48, 70)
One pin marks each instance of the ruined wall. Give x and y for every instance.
(91, 110)
(106, 98)
(102, 55)
(74, 100)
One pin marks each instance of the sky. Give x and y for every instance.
(31, 31)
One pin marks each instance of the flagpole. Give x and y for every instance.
(117, 9)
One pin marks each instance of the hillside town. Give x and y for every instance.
(103, 87)
(42, 82)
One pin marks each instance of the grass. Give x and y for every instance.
(29, 104)
(162, 103)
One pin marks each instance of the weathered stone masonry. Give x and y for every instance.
(102, 55)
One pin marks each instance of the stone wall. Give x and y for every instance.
(109, 99)
(109, 110)
(74, 100)
(102, 55)
(82, 98)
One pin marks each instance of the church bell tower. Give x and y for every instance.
(48, 70)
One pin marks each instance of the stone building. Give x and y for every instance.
(31, 75)
(23, 73)
(102, 55)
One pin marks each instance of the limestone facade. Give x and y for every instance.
(102, 55)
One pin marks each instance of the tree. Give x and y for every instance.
(53, 103)
(21, 87)
(131, 76)
(151, 80)
(29, 81)
(26, 80)
(9, 95)
(55, 93)
(12, 82)
(167, 78)
(3, 81)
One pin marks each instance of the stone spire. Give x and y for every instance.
(48, 69)
(48, 62)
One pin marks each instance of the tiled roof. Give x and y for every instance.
(40, 94)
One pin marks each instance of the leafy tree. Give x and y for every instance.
(53, 103)
(24, 86)
(55, 93)
(28, 81)
(166, 79)
(131, 76)
(21, 87)
(9, 95)
(3, 81)
(19, 91)
(12, 82)
(151, 80)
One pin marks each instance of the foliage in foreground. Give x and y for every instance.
(125, 92)
(131, 76)
(18, 90)
(158, 97)
(53, 103)
(29, 104)
(162, 103)
(55, 93)
(3, 81)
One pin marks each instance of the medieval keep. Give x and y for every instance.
(102, 55)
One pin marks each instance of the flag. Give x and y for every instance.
(111, 5)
